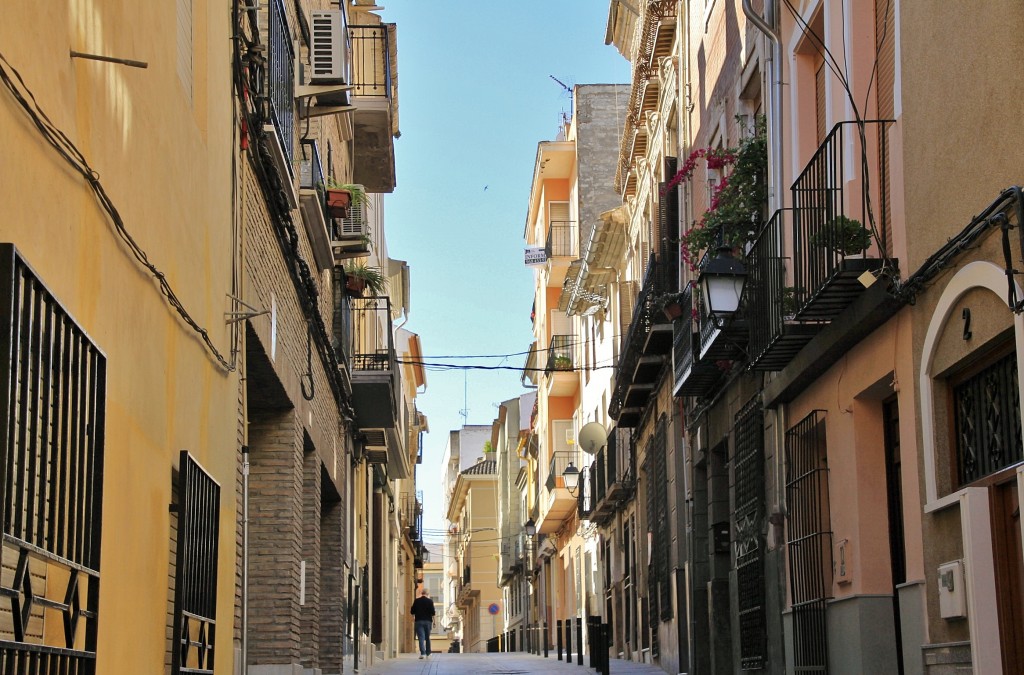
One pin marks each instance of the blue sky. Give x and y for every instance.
(475, 98)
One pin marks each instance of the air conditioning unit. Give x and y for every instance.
(328, 47)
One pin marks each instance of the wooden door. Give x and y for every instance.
(1009, 561)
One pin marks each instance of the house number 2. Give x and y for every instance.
(967, 322)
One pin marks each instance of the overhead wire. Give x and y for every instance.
(829, 59)
(74, 157)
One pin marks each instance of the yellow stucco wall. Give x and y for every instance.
(164, 158)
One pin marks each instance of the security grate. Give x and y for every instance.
(52, 390)
(809, 541)
(748, 520)
(195, 583)
(659, 581)
(987, 421)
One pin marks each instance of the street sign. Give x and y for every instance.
(493, 608)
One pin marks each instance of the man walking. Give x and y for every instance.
(423, 610)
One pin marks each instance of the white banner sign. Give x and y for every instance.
(535, 256)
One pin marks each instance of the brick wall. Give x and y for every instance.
(311, 500)
(275, 533)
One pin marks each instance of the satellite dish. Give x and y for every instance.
(593, 436)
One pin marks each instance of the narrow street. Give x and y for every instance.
(515, 663)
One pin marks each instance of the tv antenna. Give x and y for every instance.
(568, 90)
(464, 413)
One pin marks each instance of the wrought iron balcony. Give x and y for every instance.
(643, 355)
(563, 240)
(613, 475)
(281, 79)
(373, 94)
(585, 498)
(376, 380)
(775, 334)
(562, 375)
(313, 203)
(830, 250)
(560, 353)
(693, 376)
(559, 460)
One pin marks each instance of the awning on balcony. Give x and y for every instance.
(585, 290)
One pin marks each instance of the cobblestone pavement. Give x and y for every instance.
(514, 663)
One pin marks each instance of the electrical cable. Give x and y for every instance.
(70, 153)
(272, 186)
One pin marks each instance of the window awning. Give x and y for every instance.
(585, 290)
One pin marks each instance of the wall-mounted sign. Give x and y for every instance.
(535, 256)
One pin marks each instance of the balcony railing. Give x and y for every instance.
(560, 353)
(373, 345)
(844, 179)
(613, 475)
(311, 173)
(371, 61)
(562, 241)
(559, 460)
(280, 77)
(585, 497)
(775, 334)
(649, 334)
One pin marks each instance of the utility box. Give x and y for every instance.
(952, 591)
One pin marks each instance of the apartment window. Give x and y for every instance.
(52, 406)
(749, 542)
(195, 581)
(986, 418)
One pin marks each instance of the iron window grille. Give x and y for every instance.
(986, 412)
(660, 587)
(749, 517)
(809, 541)
(195, 579)
(52, 392)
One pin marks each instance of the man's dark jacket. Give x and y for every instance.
(423, 609)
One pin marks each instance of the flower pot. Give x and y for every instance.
(338, 202)
(672, 311)
(355, 286)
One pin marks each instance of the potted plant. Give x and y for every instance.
(561, 362)
(845, 236)
(788, 303)
(671, 305)
(340, 196)
(360, 277)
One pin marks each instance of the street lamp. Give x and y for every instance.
(530, 527)
(571, 476)
(721, 283)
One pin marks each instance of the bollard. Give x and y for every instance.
(568, 640)
(547, 638)
(606, 635)
(579, 641)
(591, 642)
(558, 637)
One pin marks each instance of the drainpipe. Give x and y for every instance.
(245, 559)
(768, 26)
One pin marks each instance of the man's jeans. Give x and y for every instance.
(423, 635)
